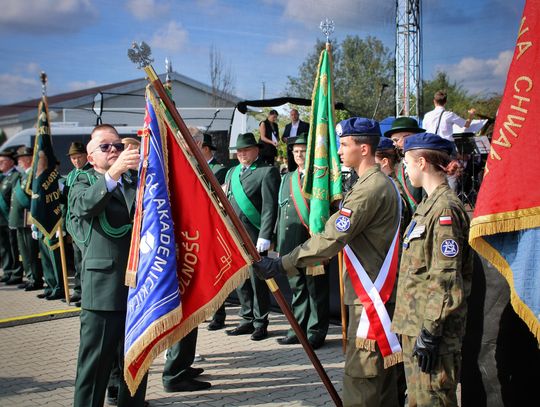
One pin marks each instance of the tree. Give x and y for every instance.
(221, 78)
(361, 67)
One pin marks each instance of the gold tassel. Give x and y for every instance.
(367, 344)
(393, 359)
(317, 270)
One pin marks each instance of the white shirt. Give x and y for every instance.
(448, 119)
(294, 129)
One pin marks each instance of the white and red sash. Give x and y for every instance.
(374, 321)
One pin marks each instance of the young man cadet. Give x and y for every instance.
(366, 228)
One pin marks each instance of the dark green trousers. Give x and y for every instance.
(29, 254)
(9, 253)
(77, 263)
(220, 314)
(52, 268)
(101, 342)
(310, 304)
(254, 297)
(180, 356)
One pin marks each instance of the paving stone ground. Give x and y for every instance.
(38, 362)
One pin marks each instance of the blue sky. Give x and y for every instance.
(83, 43)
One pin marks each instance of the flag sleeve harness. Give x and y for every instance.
(109, 230)
(245, 205)
(374, 325)
(22, 196)
(300, 203)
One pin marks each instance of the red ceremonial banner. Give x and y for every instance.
(510, 185)
(210, 261)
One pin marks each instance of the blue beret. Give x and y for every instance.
(358, 126)
(427, 141)
(385, 144)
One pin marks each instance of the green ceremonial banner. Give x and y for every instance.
(322, 182)
(43, 178)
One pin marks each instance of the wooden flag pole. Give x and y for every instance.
(142, 58)
(63, 261)
(342, 304)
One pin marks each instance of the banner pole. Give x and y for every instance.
(63, 261)
(250, 247)
(342, 304)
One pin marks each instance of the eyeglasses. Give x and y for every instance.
(106, 147)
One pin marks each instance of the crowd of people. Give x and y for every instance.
(401, 206)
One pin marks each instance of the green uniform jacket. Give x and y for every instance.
(104, 258)
(18, 205)
(6, 188)
(219, 170)
(374, 204)
(436, 270)
(290, 230)
(261, 186)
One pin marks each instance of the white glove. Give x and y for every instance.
(35, 235)
(262, 245)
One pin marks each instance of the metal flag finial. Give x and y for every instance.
(327, 27)
(140, 54)
(43, 78)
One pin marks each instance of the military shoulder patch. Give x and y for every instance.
(345, 212)
(449, 248)
(343, 223)
(445, 220)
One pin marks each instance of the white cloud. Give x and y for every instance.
(46, 16)
(480, 75)
(14, 88)
(78, 85)
(146, 9)
(344, 13)
(290, 46)
(171, 38)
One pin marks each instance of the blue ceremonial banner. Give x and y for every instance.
(154, 304)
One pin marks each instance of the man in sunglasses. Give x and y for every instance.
(101, 203)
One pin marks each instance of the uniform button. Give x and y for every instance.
(286, 228)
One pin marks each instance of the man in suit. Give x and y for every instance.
(102, 202)
(9, 252)
(79, 158)
(18, 217)
(292, 130)
(252, 188)
(310, 300)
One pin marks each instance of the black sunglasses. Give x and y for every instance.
(106, 147)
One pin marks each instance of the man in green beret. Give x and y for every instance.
(310, 300)
(401, 128)
(252, 188)
(18, 220)
(9, 252)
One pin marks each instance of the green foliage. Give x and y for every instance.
(360, 67)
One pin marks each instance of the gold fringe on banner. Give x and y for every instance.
(505, 222)
(174, 319)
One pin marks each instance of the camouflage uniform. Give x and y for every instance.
(374, 217)
(433, 284)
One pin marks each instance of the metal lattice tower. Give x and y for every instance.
(408, 58)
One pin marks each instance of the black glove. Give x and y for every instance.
(268, 268)
(426, 349)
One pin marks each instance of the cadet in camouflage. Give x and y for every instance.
(435, 278)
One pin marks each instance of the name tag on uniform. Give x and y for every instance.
(417, 232)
